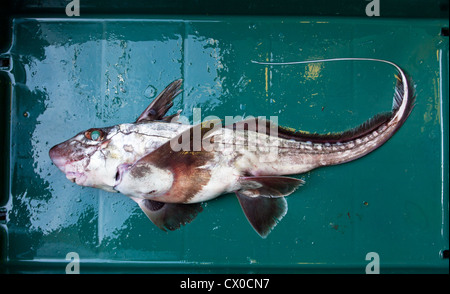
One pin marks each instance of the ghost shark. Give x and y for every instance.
(157, 162)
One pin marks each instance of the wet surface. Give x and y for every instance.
(71, 75)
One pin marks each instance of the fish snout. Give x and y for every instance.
(57, 156)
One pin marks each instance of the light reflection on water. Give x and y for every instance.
(81, 83)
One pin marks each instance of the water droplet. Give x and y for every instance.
(150, 92)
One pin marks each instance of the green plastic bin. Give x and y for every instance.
(60, 75)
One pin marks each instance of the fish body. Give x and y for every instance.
(169, 168)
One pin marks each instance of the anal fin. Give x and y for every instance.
(263, 213)
(170, 216)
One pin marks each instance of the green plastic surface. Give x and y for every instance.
(71, 74)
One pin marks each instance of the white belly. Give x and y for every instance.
(224, 179)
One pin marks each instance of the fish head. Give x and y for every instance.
(91, 158)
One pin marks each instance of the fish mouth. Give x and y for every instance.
(57, 159)
(76, 177)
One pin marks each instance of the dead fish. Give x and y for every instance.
(155, 161)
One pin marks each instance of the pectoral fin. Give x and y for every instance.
(161, 104)
(263, 213)
(170, 216)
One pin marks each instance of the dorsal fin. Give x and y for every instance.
(267, 127)
(366, 128)
(162, 103)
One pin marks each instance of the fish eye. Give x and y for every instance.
(94, 134)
